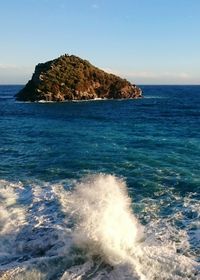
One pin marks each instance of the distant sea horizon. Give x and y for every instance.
(23, 84)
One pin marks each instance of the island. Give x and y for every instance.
(72, 78)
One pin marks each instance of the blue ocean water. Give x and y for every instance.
(149, 147)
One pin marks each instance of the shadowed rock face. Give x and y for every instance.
(72, 78)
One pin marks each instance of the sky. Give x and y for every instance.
(145, 41)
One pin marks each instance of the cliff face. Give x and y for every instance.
(72, 78)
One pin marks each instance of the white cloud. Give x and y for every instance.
(155, 77)
(8, 66)
(163, 77)
(11, 74)
(111, 71)
(158, 75)
(14, 74)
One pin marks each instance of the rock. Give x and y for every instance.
(72, 78)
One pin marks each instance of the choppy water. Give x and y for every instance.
(101, 189)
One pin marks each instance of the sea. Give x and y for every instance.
(101, 190)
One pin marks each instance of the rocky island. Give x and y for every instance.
(72, 78)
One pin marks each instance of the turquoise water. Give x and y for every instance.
(151, 145)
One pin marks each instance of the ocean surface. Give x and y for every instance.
(106, 189)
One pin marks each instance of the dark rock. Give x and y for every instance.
(72, 78)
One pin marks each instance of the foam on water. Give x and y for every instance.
(104, 224)
(89, 231)
(12, 217)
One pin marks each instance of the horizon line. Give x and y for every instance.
(19, 84)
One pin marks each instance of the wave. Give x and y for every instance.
(154, 97)
(104, 222)
(87, 230)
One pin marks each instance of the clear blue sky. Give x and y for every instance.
(146, 41)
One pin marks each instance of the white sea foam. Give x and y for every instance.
(105, 226)
(104, 223)
(12, 216)
(42, 225)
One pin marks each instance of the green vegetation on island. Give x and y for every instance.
(72, 78)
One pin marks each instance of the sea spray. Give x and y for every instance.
(12, 216)
(43, 223)
(104, 223)
(105, 226)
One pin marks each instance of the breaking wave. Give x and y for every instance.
(87, 230)
(104, 223)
